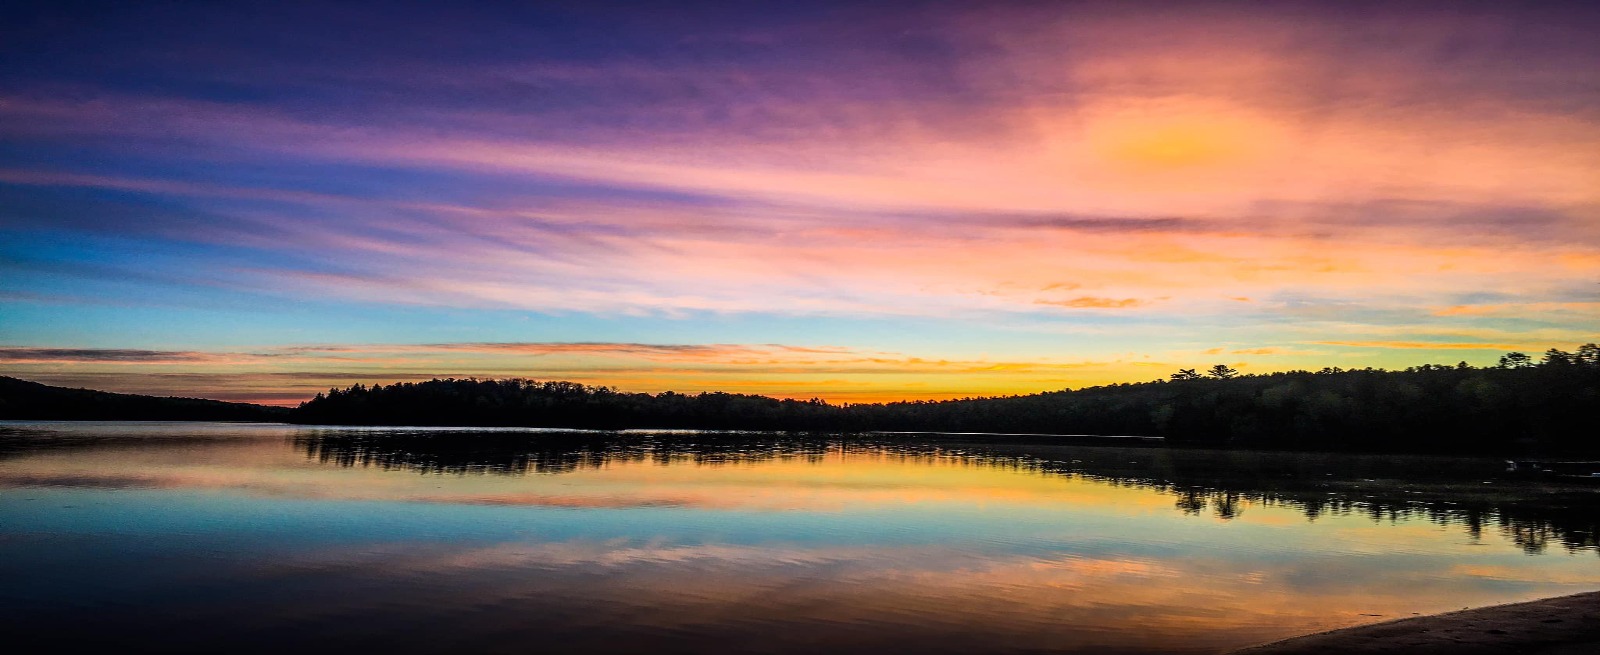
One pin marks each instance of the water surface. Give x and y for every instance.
(264, 537)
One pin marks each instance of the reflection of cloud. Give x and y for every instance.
(867, 538)
(783, 484)
(91, 480)
(1523, 575)
(1042, 601)
(587, 502)
(270, 487)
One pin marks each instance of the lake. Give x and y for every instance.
(263, 537)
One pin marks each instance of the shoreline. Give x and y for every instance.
(1563, 625)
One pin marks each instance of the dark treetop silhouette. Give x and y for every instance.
(1518, 407)
(1521, 406)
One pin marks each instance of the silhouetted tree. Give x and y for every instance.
(1588, 355)
(1557, 357)
(1515, 360)
(1221, 372)
(1187, 374)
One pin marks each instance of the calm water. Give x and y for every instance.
(265, 537)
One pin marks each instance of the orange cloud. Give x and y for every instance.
(1518, 309)
(1090, 302)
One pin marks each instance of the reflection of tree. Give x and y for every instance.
(521, 453)
(1228, 505)
(1191, 501)
(1531, 537)
(1442, 491)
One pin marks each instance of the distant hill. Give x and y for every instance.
(21, 399)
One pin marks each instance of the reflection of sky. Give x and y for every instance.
(208, 528)
(955, 200)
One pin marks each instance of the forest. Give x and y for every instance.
(1523, 405)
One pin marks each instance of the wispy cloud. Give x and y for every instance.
(1425, 345)
(1090, 302)
(14, 354)
(1357, 177)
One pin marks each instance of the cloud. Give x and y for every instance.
(1090, 302)
(1519, 309)
(1273, 351)
(546, 348)
(311, 353)
(980, 170)
(32, 355)
(1426, 345)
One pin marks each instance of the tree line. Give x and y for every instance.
(1522, 405)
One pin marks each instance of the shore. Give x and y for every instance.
(1566, 625)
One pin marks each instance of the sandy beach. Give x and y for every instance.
(1566, 625)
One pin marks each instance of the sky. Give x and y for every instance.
(857, 201)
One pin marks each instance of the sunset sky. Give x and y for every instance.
(858, 202)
